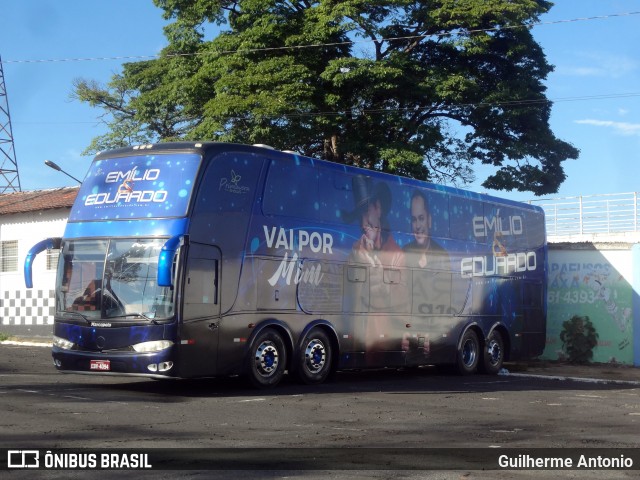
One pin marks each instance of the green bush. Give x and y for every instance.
(3, 337)
(579, 337)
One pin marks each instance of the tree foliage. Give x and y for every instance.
(422, 88)
(579, 338)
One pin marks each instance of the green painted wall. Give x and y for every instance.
(598, 283)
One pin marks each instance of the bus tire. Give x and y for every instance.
(314, 360)
(468, 356)
(267, 360)
(493, 355)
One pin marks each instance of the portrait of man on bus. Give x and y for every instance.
(423, 251)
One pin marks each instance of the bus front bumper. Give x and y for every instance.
(154, 365)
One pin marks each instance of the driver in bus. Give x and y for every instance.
(90, 298)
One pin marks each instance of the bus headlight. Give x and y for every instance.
(153, 346)
(62, 343)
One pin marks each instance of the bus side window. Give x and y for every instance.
(229, 184)
(468, 221)
(201, 288)
(282, 196)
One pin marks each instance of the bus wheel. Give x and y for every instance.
(493, 354)
(267, 360)
(314, 363)
(469, 353)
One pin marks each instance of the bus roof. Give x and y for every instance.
(208, 147)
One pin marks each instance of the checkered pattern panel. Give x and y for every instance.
(27, 307)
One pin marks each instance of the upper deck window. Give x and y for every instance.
(229, 183)
(299, 189)
(292, 190)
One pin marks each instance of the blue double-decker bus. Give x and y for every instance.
(210, 259)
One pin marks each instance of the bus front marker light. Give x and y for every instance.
(165, 366)
(153, 346)
(160, 367)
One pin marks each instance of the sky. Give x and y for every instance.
(46, 44)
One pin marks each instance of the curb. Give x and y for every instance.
(574, 379)
(26, 343)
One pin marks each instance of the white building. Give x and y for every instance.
(25, 219)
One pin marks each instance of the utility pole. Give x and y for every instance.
(9, 179)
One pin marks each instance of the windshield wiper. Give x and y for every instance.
(84, 317)
(137, 315)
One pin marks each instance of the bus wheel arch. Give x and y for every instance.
(317, 354)
(268, 357)
(469, 352)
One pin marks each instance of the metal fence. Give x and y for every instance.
(592, 214)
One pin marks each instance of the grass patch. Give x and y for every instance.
(4, 336)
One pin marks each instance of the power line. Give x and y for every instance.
(506, 103)
(317, 45)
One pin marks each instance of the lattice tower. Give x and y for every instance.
(9, 179)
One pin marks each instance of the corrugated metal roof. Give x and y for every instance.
(37, 200)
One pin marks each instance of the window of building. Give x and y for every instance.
(9, 256)
(52, 259)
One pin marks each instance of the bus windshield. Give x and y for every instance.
(115, 279)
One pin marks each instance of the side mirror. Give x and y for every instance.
(47, 244)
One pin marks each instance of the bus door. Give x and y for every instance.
(200, 311)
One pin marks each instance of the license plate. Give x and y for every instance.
(100, 365)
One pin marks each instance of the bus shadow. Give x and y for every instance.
(427, 380)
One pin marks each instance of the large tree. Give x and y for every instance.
(423, 88)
